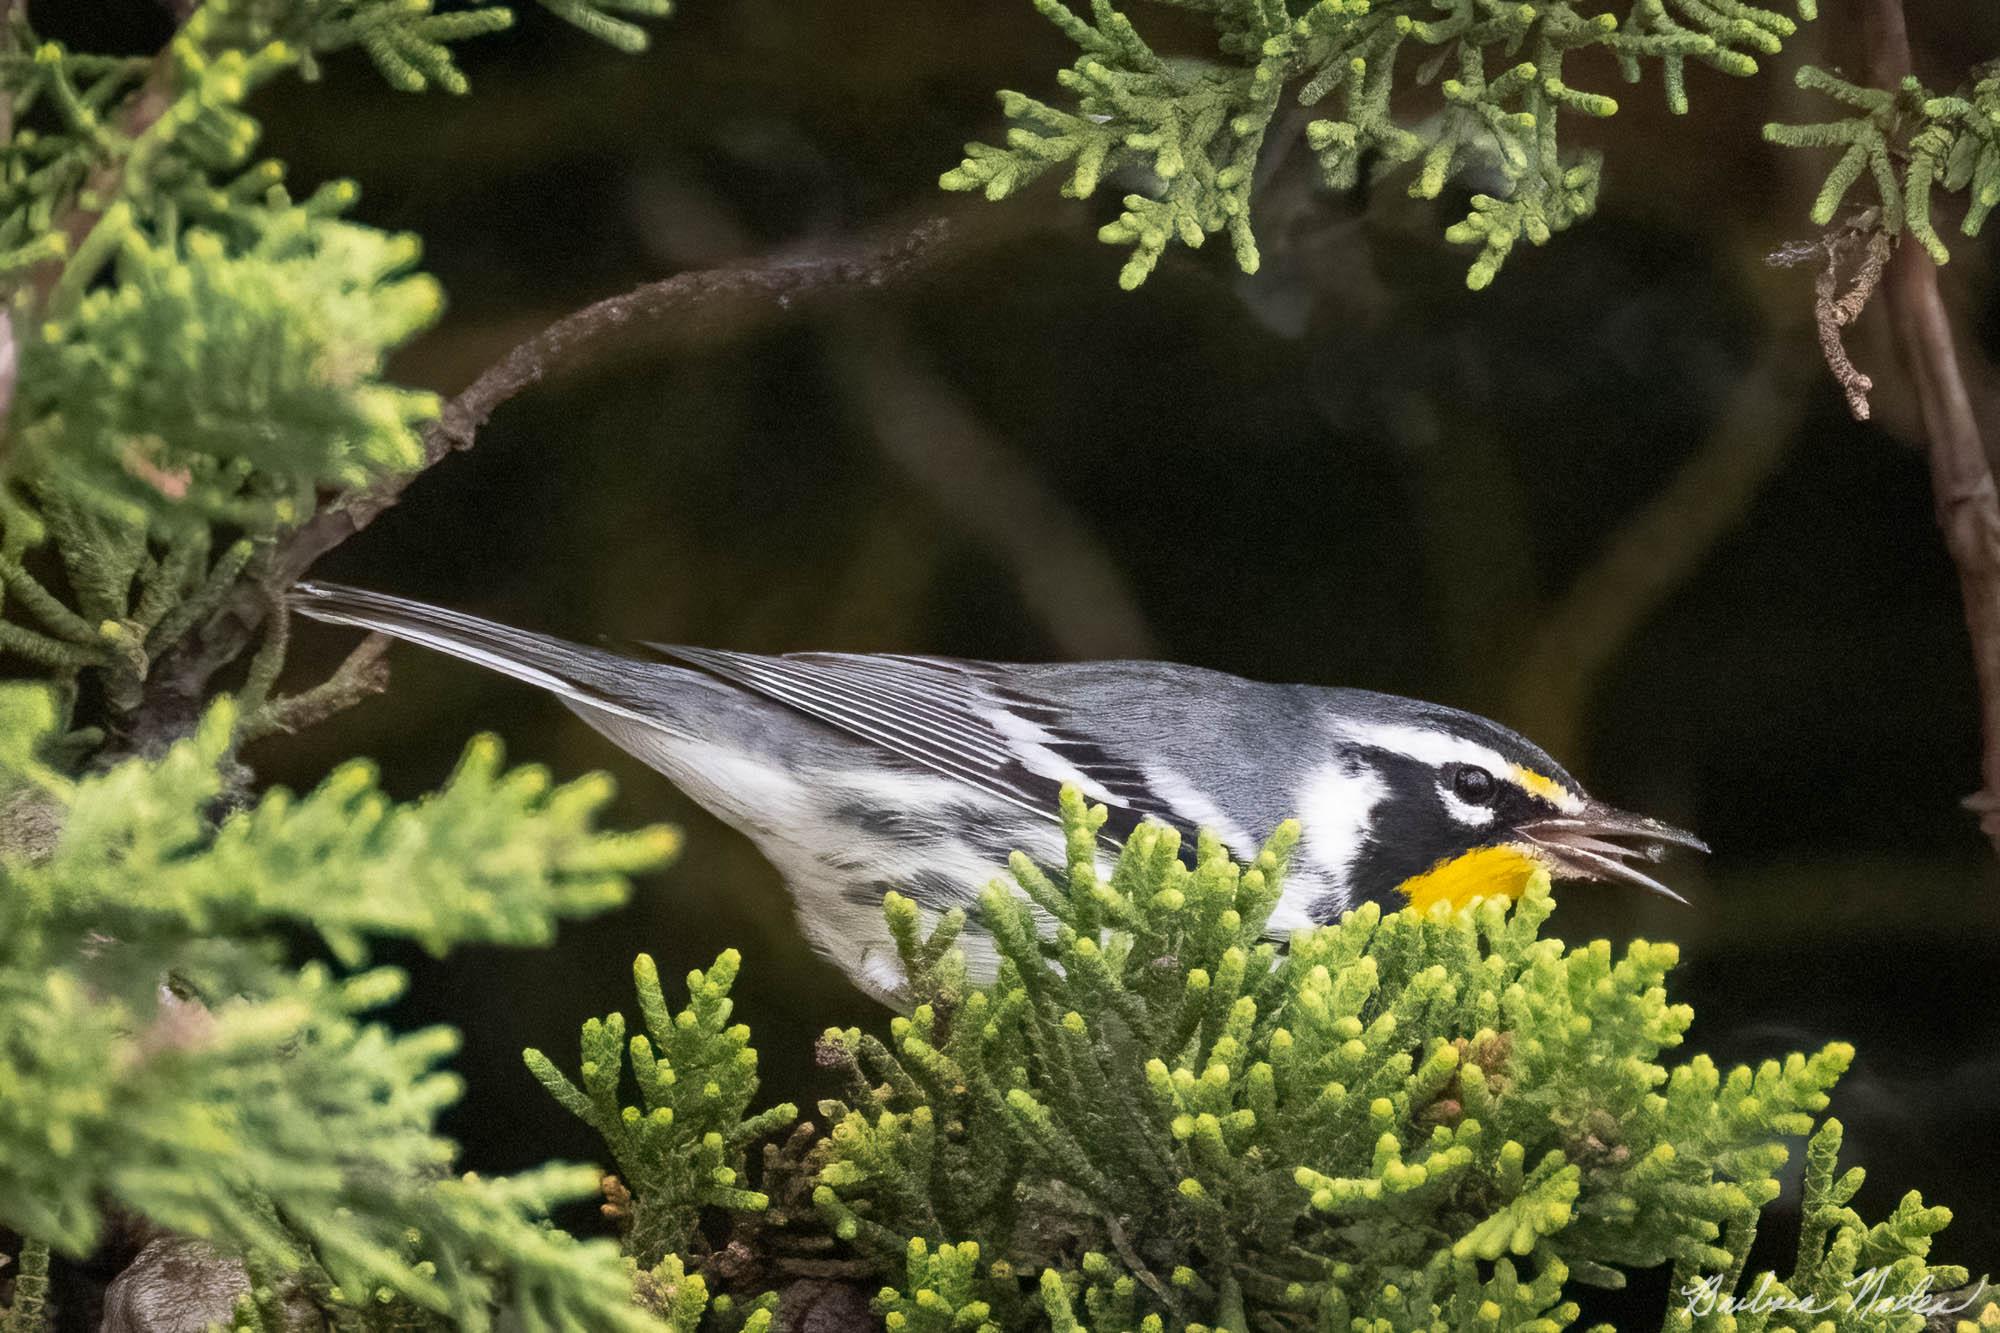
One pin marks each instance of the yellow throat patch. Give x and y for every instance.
(1483, 872)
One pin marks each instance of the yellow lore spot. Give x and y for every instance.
(1544, 786)
(1483, 872)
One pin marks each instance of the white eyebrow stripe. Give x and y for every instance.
(1436, 748)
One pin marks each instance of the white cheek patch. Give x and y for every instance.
(1336, 808)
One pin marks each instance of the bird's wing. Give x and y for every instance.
(965, 720)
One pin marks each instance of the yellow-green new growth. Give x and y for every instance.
(1910, 142)
(680, 1300)
(939, 1293)
(1415, 1120)
(158, 1051)
(201, 354)
(409, 43)
(682, 1148)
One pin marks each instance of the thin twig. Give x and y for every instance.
(1966, 502)
(1833, 309)
(1067, 580)
(1653, 553)
(699, 306)
(10, 368)
(1133, 1263)
(363, 672)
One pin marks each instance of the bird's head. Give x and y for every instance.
(1421, 804)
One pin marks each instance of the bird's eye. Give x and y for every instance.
(1473, 784)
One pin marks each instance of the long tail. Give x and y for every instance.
(588, 676)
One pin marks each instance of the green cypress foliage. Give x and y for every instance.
(193, 357)
(682, 1149)
(27, 1311)
(1420, 1120)
(197, 348)
(1835, 1249)
(940, 1292)
(681, 1301)
(1909, 143)
(1181, 132)
(1155, 1118)
(158, 1049)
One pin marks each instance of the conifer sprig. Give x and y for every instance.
(1413, 1120)
(1182, 133)
(1845, 1268)
(683, 1148)
(157, 396)
(1909, 143)
(493, 857)
(27, 1310)
(157, 1049)
(201, 352)
(680, 1300)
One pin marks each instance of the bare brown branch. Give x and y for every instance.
(10, 366)
(1966, 502)
(362, 673)
(1835, 310)
(689, 309)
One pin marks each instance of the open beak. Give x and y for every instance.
(1598, 842)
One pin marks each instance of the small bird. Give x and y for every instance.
(860, 773)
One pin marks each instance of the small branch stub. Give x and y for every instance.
(1834, 309)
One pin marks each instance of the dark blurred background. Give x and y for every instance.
(1614, 500)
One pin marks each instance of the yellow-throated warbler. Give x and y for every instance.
(860, 773)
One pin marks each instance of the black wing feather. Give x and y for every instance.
(940, 713)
